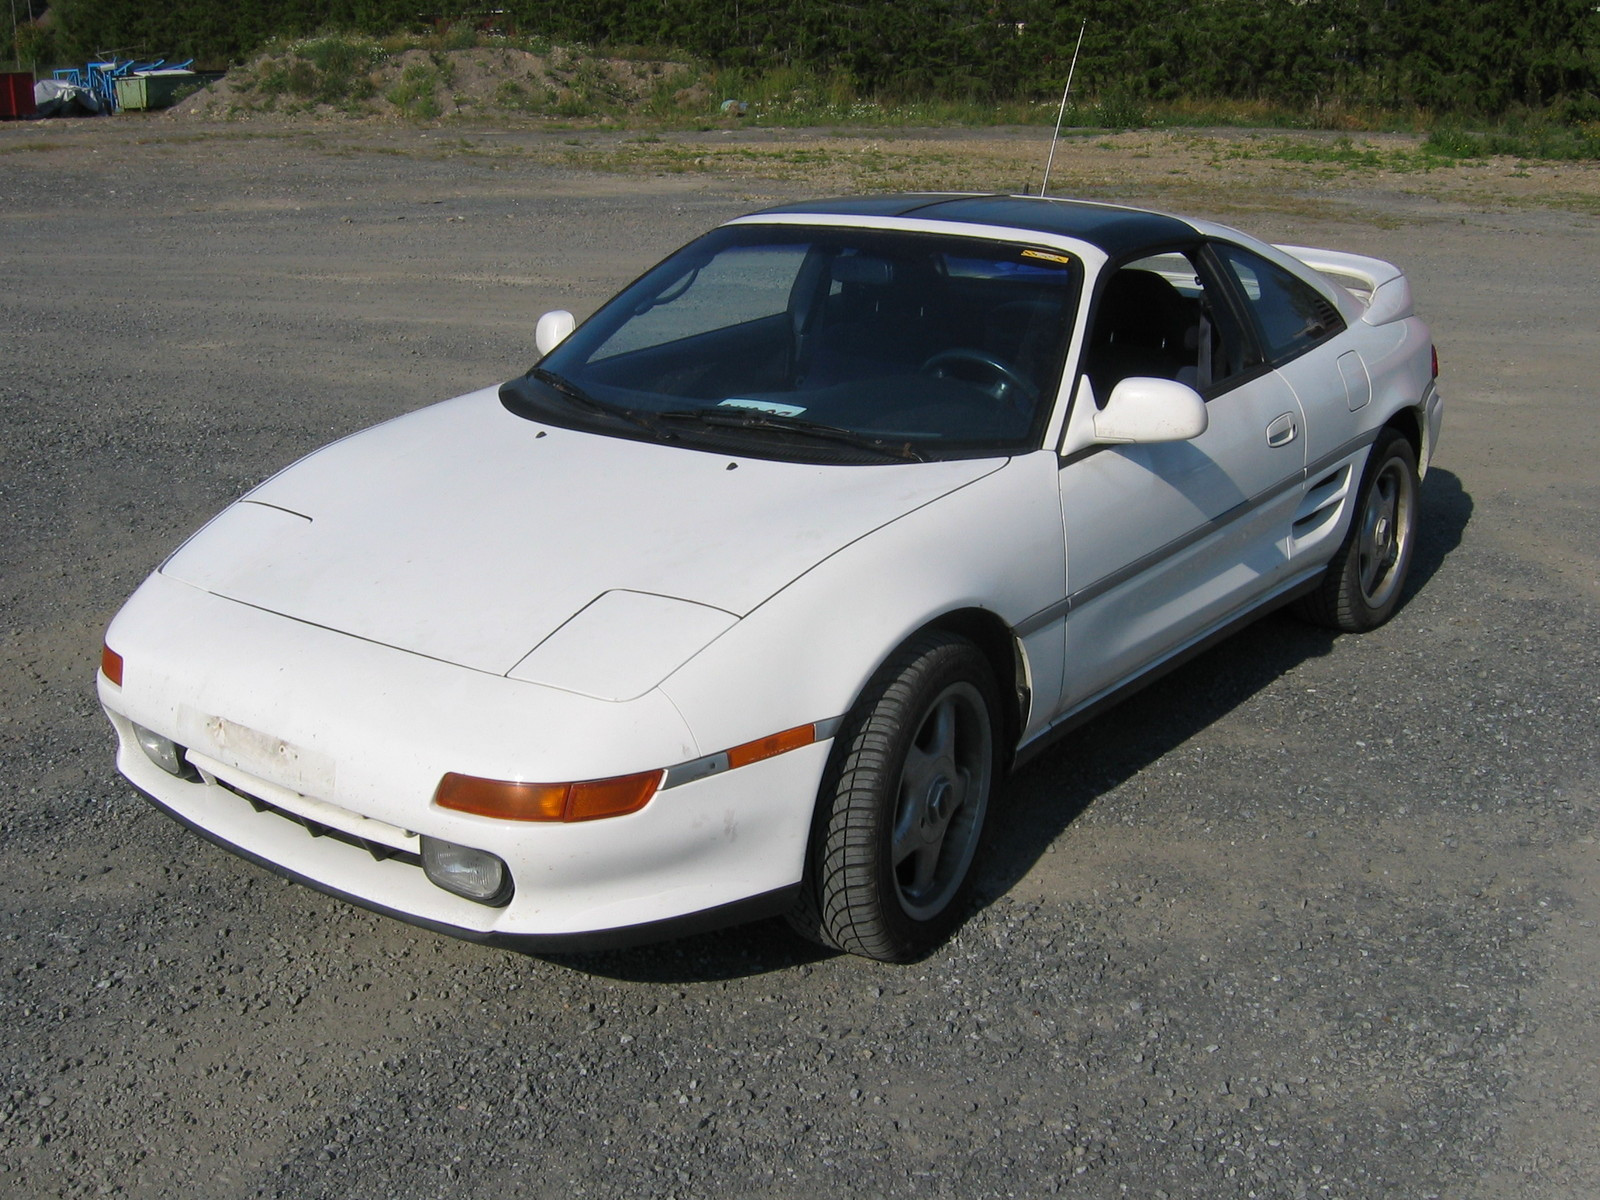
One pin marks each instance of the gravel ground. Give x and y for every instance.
(1315, 918)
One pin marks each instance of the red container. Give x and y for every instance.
(16, 94)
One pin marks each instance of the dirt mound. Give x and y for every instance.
(335, 76)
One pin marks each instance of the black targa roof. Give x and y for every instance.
(1114, 230)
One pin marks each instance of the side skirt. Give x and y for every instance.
(1095, 705)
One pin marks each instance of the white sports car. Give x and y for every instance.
(744, 600)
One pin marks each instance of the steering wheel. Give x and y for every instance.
(1005, 379)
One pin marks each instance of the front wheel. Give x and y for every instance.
(902, 807)
(1362, 586)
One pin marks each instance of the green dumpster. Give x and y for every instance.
(154, 91)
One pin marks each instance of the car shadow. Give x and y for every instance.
(1047, 795)
(1446, 513)
(740, 952)
(1044, 798)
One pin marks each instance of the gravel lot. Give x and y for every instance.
(1315, 918)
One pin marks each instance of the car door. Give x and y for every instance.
(1167, 541)
(1300, 332)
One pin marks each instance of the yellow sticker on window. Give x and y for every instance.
(1055, 258)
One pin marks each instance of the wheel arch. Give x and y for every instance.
(974, 563)
(1002, 649)
(1408, 422)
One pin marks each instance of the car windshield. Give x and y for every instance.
(823, 344)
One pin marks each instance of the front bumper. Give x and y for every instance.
(737, 912)
(338, 792)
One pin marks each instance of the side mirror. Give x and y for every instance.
(1151, 410)
(552, 329)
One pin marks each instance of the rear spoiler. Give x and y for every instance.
(1381, 287)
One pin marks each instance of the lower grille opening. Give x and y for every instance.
(378, 850)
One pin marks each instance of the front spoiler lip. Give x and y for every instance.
(738, 912)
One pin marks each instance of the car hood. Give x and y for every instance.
(470, 535)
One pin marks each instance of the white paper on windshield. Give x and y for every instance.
(766, 406)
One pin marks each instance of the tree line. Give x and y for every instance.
(1469, 57)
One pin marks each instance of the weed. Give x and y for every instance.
(458, 37)
(1521, 139)
(1341, 152)
(1263, 114)
(331, 69)
(1119, 110)
(416, 95)
(445, 66)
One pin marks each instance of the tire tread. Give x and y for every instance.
(845, 839)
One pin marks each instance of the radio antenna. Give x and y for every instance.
(1049, 162)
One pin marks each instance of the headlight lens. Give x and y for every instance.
(474, 874)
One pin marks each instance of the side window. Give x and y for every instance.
(1293, 315)
(1157, 317)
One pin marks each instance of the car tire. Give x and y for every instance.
(901, 811)
(1362, 585)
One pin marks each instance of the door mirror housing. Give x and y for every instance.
(1151, 410)
(552, 329)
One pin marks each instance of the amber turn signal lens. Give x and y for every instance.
(499, 798)
(509, 801)
(771, 746)
(111, 664)
(611, 797)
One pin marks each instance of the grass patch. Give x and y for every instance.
(513, 96)
(1545, 142)
(1344, 154)
(1325, 158)
(1262, 114)
(416, 96)
(333, 70)
(860, 168)
(792, 97)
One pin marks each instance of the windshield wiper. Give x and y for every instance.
(574, 394)
(568, 389)
(767, 422)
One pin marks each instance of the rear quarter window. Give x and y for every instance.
(1291, 314)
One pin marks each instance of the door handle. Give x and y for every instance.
(1282, 430)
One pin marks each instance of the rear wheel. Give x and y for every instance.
(902, 808)
(1362, 586)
